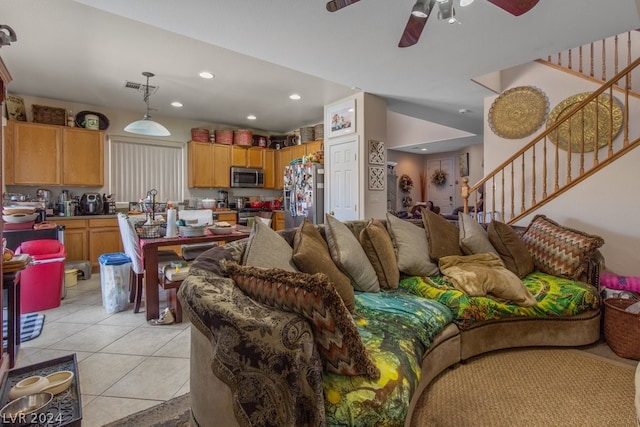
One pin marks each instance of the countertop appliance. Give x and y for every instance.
(303, 193)
(247, 177)
(91, 204)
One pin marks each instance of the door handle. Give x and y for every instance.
(332, 213)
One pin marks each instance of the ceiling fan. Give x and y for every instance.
(423, 8)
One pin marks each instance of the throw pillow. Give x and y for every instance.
(443, 236)
(313, 297)
(483, 274)
(311, 255)
(377, 244)
(349, 256)
(473, 236)
(557, 250)
(515, 255)
(412, 249)
(265, 248)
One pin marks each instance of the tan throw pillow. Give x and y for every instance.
(412, 249)
(515, 255)
(557, 250)
(484, 274)
(267, 249)
(311, 255)
(377, 244)
(314, 298)
(349, 256)
(443, 236)
(473, 236)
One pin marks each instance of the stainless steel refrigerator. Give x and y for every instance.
(303, 193)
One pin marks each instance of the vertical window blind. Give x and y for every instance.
(137, 165)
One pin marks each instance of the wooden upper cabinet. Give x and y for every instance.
(36, 154)
(314, 146)
(249, 157)
(40, 154)
(82, 157)
(209, 165)
(269, 168)
(298, 151)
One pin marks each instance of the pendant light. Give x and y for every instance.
(146, 126)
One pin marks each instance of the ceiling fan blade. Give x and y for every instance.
(412, 31)
(515, 7)
(334, 5)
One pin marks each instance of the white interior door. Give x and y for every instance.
(441, 195)
(342, 189)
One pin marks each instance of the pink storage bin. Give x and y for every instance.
(41, 282)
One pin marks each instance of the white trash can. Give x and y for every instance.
(114, 281)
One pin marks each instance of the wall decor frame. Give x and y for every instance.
(376, 152)
(341, 118)
(376, 177)
(463, 164)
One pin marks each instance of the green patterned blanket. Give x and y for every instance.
(397, 328)
(555, 296)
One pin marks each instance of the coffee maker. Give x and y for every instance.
(223, 199)
(91, 204)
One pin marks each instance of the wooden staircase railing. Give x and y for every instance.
(541, 170)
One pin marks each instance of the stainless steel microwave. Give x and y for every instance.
(247, 177)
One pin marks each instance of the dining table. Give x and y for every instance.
(150, 260)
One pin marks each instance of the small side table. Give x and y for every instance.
(11, 282)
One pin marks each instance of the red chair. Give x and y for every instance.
(41, 282)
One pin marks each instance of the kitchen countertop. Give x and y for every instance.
(54, 218)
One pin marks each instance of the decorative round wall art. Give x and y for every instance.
(518, 112)
(609, 117)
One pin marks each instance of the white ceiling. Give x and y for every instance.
(261, 51)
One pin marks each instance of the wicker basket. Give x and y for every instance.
(243, 137)
(201, 135)
(224, 137)
(622, 328)
(49, 115)
(151, 231)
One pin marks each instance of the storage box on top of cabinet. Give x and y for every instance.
(243, 137)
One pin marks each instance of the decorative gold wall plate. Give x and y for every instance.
(609, 116)
(518, 112)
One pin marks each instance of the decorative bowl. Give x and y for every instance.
(19, 218)
(222, 230)
(17, 410)
(208, 203)
(59, 381)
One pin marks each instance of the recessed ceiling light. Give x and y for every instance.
(251, 117)
(176, 104)
(423, 149)
(294, 96)
(207, 75)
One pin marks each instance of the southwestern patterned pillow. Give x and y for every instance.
(313, 297)
(558, 250)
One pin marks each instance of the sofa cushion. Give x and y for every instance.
(473, 237)
(559, 250)
(441, 234)
(267, 249)
(377, 244)
(311, 255)
(412, 248)
(314, 298)
(511, 249)
(347, 253)
(485, 274)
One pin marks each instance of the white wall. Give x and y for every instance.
(606, 204)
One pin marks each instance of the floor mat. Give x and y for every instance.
(30, 326)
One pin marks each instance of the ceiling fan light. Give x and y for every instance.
(446, 12)
(421, 9)
(464, 3)
(146, 126)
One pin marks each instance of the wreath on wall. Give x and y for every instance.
(406, 183)
(439, 178)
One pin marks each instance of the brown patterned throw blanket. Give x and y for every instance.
(267, 357)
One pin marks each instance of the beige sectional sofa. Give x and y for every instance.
(240, 341)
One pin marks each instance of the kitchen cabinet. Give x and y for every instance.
(279, 171)
(247, 157)
(76, 238)
(230, 217)
(298, 151)
(39, 154)
(277, 220)
(270, 168)
(5, 79)
(208, 165)
(314, 146)
(104, 238)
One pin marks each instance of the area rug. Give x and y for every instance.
(530, 387)
(30, 326)
(523, 387)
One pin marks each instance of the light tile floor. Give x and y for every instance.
(125, 365)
